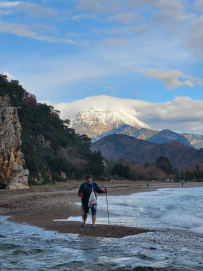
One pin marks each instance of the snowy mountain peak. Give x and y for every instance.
(95, 121)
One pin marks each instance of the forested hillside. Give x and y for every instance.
(52, 151)
(139, 151)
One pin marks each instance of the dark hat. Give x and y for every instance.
(89, 177)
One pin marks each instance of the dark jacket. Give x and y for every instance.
(87, 191)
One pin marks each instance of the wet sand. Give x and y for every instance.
(40, 205)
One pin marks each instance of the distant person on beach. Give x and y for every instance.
(87, 192)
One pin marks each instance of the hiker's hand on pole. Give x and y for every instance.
(106, 190)
(81, 195)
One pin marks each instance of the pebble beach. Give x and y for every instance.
(41, 205)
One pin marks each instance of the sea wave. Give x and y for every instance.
(176, 245)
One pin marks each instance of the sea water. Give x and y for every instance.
(176, 245)
(165, 208)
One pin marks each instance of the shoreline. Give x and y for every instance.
(39, 206)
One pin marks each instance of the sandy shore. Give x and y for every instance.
(39, 206)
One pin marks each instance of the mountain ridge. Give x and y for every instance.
(166, 136)
(129, 130)
(97, 123)
(139, 151)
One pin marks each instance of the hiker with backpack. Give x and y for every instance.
(87, 192)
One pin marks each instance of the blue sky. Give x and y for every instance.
(145, 50)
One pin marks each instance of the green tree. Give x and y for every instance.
(121, 171)
(95, 165)
(146, 164)
(163, 163)
(117, 170)
(60, 164)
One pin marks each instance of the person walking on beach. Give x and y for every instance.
(87, 192)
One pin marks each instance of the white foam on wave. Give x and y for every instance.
(165, 208)
(179, 208)
(171, 208)
(71, 218)
(189, 221)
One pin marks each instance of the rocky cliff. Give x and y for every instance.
(12, 174)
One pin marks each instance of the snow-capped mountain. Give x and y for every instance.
(95, 121)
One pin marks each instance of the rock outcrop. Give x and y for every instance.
(43, 142)
(12, 173)
(19, 181)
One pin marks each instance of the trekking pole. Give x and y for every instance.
(82, 212)
(107, 207)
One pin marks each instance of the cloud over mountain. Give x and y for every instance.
(183, 114)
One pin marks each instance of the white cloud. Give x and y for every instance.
(107, 103)
(8, 4)
(125, 31)
(6, 8)
(196, 38)
(109, 88)
(125, 18)
(170, 11)
(102, 5)
(45, 102)
(84, 16)
(18, 29)
(141, 29)
(9, 76)
(182, 114)
(4, 12)
(196, 80)
(171, 78)
(22, 30)
(198, 5)
(31, 9)
(35, 10)
(118, 41)
(166, 11)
